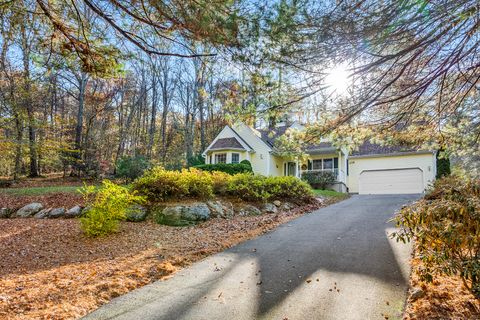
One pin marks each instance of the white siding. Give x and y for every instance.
(424, 162)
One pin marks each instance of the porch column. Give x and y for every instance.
(298, 169)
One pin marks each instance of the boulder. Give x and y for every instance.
(42, 214)
(4, 213)
(287, 206)
(183, 215)
(216, 209)
(73, 212)
(277, 203)
(221, 210)
(56, 213)
(249, 210)
(228, 211)
(136, 213)
(269, 208)
(28, 210)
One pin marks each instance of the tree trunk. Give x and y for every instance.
(153, 117)
(28, 104)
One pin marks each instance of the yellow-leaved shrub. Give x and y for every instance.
(160, 185)
(106, 207)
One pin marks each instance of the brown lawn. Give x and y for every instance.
(50, 270)
(445, 298)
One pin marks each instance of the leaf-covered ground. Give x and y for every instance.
(445, 298)
(50, 270)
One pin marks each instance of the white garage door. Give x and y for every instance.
(392, 181)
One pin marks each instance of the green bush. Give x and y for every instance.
(131, 168)
(106, 206)
(319, 179)
(446, 228)
(230, 168)
(159, 184)
(195, 160)
(247, 163)
(443, 165)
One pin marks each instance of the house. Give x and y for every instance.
(372, 169)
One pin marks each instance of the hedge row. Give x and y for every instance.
(230, 168)
(158, 185)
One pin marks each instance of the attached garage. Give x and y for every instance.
(391, 181)
(393, 173)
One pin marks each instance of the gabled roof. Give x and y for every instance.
(269, 136)
(227, 143)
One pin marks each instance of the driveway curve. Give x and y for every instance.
(334, 263)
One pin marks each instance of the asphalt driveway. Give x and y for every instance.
(335, 263)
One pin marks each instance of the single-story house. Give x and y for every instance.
(371, 169)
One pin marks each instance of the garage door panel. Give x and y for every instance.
(391, 181)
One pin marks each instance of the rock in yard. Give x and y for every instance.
(417, 293)
(277, 203)
(42, 214)
(136, 213)
(221, 210)
(269, 208)
(28, 210)
(4, 213)
(228, 211)
(183, 215)
(249, 210)
(73, 212)
(287, 206)
(56, 213)
(216, 209)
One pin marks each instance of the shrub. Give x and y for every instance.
(230, 168)
(159, 184)
(221, 181)
(131, 168)
(319, 179)
(195, 160)
(446, 227)
(107, 206)
(247, 163)
(443, 165)
(260, 188)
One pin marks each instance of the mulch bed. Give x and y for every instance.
(50, 270)
(445, 298)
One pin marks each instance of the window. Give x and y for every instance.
(235, 157)
(325, 164)
(221, 158)
(317, 164)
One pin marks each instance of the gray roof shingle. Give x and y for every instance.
(369, 148)
(227, 143)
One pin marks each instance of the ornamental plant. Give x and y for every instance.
(446, 228)
(106, 207)
(319, 179)
(159, 185)
(230, 168)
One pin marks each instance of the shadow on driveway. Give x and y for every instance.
(335, 263)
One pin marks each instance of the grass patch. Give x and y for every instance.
(38, 191)
(329, 193)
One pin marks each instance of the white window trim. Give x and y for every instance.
(238, 160)
(217, 156)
